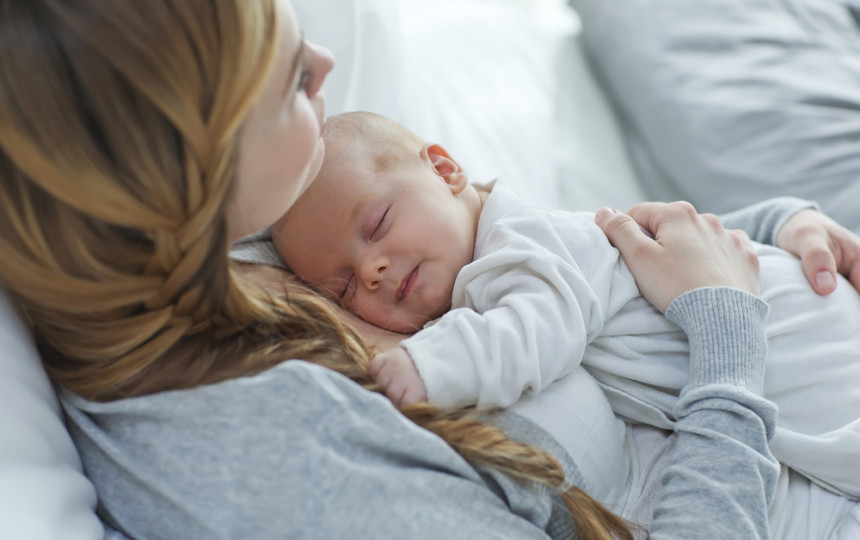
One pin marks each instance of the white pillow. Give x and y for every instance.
(503, 85)
(43, 493)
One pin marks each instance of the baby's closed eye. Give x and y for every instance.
(347, 290)
(378, 224)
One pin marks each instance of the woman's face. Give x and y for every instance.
(281, 146)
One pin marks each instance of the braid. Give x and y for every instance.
(117, 157)
(482, 444)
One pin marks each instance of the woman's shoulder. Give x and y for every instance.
(297, 437)
(309, 392)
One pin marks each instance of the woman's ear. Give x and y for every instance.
(445, 166)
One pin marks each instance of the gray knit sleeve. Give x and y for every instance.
(722, 475)
(762, 221)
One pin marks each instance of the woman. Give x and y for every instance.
(138, 141)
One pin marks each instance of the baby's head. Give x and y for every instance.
(386, 226)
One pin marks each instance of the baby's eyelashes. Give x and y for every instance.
(376, 230)
(348, 289)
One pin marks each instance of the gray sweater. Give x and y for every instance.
(302, 452)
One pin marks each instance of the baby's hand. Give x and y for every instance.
(396, 372)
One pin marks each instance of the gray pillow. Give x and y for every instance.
(733, 101)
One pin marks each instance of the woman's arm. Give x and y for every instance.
(722, 476)
(763, 220)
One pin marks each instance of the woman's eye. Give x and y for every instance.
(378, 225)
(304, 80)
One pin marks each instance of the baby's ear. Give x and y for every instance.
(445, 166)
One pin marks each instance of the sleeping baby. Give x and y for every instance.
(506, 297)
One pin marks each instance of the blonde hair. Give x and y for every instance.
(119, 127)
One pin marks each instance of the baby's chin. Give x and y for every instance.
(409, 323)
(404, 326)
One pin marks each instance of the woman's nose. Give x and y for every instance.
(372, 269)
(322, 61)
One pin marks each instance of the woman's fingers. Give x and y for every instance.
(819, 265)
(653, 215)
(688, 250)
(824, 248)
(623, 231)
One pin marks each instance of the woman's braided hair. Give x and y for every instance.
(119, 127)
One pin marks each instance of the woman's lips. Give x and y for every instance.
(407, 284)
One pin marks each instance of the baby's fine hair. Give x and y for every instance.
(389, 142)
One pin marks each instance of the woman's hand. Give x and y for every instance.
(824, 247)
(688, 250)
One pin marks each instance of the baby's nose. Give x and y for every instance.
(372, 270)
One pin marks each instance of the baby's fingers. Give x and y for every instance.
(376, 366)
(398, 376)
(406, 392)
(383, 370)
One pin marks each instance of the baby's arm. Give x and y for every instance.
(529, 314)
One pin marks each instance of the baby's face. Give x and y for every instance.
(387, 245)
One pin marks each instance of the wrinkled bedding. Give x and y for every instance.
(728, 102)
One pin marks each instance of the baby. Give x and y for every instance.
(518, 295)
